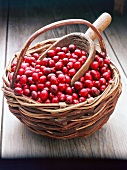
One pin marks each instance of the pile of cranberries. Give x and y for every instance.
(48, 80)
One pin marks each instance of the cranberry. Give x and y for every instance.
(68, 90)
(95, 74)
(40, 86)
(62, 97)
(56, 58)
(78, 52)
(51, 63)
(101, 62)
(45, 62)
(47, 101)
(103, 87)
(23, 79)
(88, 83)
(47, 70)
(51, 95)
(75, 96)
(34, 95)
(95, 92)
(42, 79)
(35, 77)
(18, 91)
(82, 79)
(102, 80)
(26, 92)
(88, 76)
(28, 73)
(77, 65)
(78, 85)
(68, 55)
(75, 101)
(69, 99)
(72, 48)
(83, 92)
(18, 85)
(21, 71)
(51, 53)
(61, 55)
(61, 78)
(94, 65)
(65, 70)
(53, 80)
(58, 49)
(71, 72)
(33, 87)
(65, 60)
(35, 55)
(97, 84)
(55, 99)
(67, 79)
(30, 80)
(54, 89)
(74, 56)
(70, 65)
(102, 54)
(44, 95)
(62, 86)
(47, 84)
(106, 75)
(59, 65)
(82, 99)
(64, 49)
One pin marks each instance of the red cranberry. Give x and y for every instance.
(56, 59)
(65, 61)
(61, 78)
(74, 96)
(62, 86)
(94, 65)
(30, 80)
(21, 71)
(47, 70)
(58, 49)
(65, 70)
(42, 79)
(83, 92)
(18, 85)
(35, 55)
(54, 89)
(28, 73)
(59, 65)
(62, 97)
(88, 76)
(23, 79)
(61, 54)
(33, 87)
(70, 65)
(78, 52)
(47, 84)
(71, 72)
(44, 95)
(103, 87)
(40, 86)
(51, 63)
(75, 101)
(102, 80)
(67, 79)
(18, 91)
(53, 80)
(77, 65)
(106, 75)
(97, 84)
(45, 62)
(64, 49)
(95, 74)
(34, 95)
(88, 83)
(69, 99)
(95, 92)
(51, 53)
(26, 92)
(55, 99)
(78, 85)
(35, 77)
(82, 99)
(72, 48)
(68, 90)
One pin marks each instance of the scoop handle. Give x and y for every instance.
(101, 23)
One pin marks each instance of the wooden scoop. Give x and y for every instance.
(82, 41)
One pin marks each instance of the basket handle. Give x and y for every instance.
(47, 28)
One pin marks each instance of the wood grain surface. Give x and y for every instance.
(18, 23)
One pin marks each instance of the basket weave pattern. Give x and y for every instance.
(61, 120)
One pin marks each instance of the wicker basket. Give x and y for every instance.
(61, 120)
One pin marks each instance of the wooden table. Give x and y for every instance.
(18, 20)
